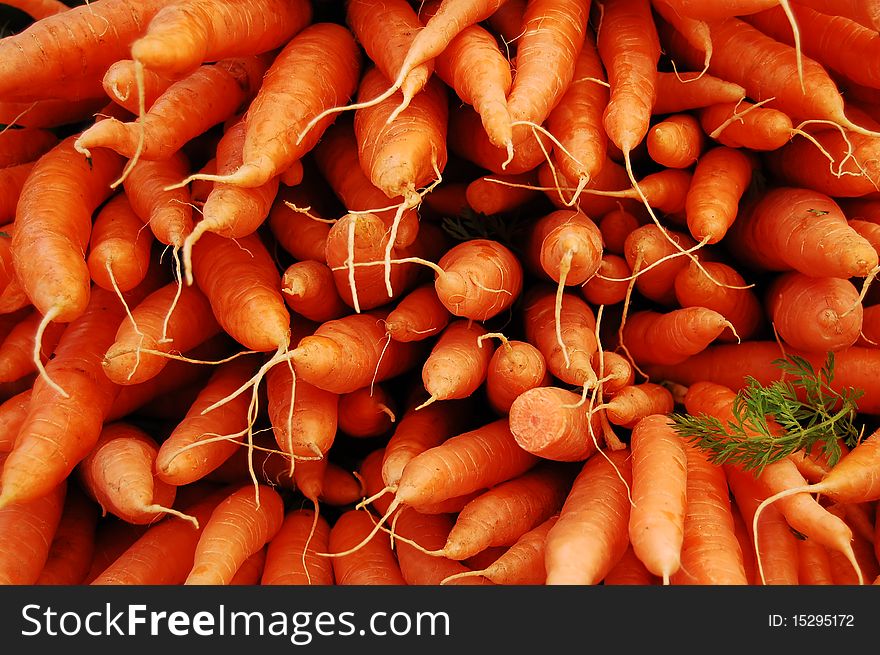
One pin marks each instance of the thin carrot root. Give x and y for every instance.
(179, 357)
(309, 540)
(431, 400)
(173, 512)
(462, 574)
(142, 110)
(497, 335)
(350, 264)
(390, 91)
(378, 526)
(38, 347)
(137, 351)
(564, 268)
(175, 254)
(385, 409)
(872, 275)
(366, 501)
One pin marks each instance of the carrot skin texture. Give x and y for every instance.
(28, 528)
(250, 525)
(590, 536)
(289, 547)
(372, 564)
(73, 544)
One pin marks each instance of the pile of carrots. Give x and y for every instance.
(390, 292)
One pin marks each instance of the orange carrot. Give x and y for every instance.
(374, 563)
(28, 527)
(205, 31)
(366, 412)
(19, 146)
(815, 314)
(291, 557)
(417, 316)
(490, 194)
(163, 554)
(182, 458)
(667, 338)
(726, 292)
(304, 417)
(119, 254)
(610, 285)
(864, 13)
(250, 518)
(565, 246)
(590, 536)
(631, 403)
(12, 180)
(168, 213)
(515, 367)
(457, 365)
(309, 289)
(118, 473)
(743, 124)
(657, 519)
(297, 233)
(170, 318)
(677, 141)
(647, 246)
(629, 570)
(48, 226)
(13, 413)
(783, 229)
(73, 543)
(550, 423)
(17, 349)
(719, 182)
(710, 553)
(211, 95)
(814, 564)
(683, 91)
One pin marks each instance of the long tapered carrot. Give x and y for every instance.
(250, 521)
(685, 91)
(590, 535)
(292, 555)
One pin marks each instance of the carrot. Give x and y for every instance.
(38, 9)
(386, 33)
(656, 521)
(676, 142)
(565, 246)
(48, 226)
(251, 517)
(351, 352)
(507, 511)
(28, 527)
(852, 171)
(744, 124)
(521, 564)
(776, 544)
(243, 286)
(118, 473)
(301, 236)
(474, 67)
(667, 338)
(19, 146)
(457, 364)
(291, 556)
(73, 543)
(515, 367)
(291, 92)
(864, 13)
(814, 565)
(309, 289)
(710, 553)
(418, 315)
(770, 71)
(17, 349)
(167, 213)
(726, 292)
(163, 554)
(191, 450)
(576, 326)
(815, 314)
(550, 423)
(648, 246)
(490, 194)
(741, 531)
(13, 412)
(372, 564)
(416, 432)
(576, 121)
(112, 537)
(337, 158)
(60, 430)
(119, 255)
(401, 156)
(610, 285)
(120, 84)
(631, 403)
(230, 211)
(153, 327)
(215, 91)
(695, 30)
(12, 180)
(367, 412)
(85, 47)
(684, 91)
(818, 31)
(720, 179)
(305, 420)
(357, 239)
(788, 227)
(590, 536)
(428, 531)
(629, 570)
(179, 39)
